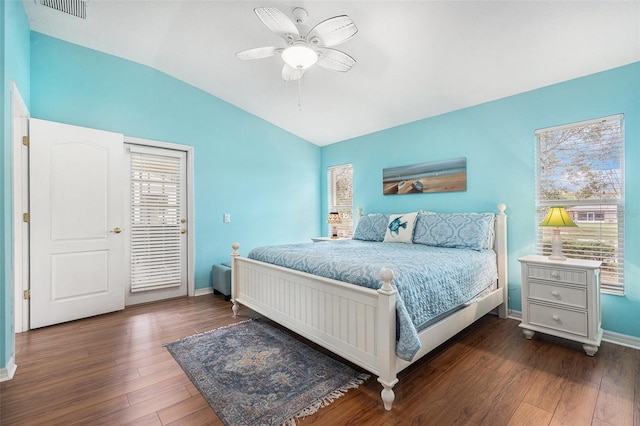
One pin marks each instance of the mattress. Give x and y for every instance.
(430, 281)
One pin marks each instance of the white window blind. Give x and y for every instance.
(580, 167)
(155, 221)
(340, 194)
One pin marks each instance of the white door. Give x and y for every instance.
(157, 241)
(76, 208)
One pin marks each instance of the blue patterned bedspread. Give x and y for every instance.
(430, 280)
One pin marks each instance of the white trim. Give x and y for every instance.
(607, 336)
(615, 117)
(20, 185)
(204, 291)
(515, 315)
(8, 372)
(190, 201)
(157, 144)
(621, 339)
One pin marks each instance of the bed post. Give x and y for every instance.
(387, 337)
(500, 247)
(235, 253)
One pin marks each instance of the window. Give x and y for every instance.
(340, 192)
(580, 167)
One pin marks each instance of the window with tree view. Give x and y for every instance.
(580, 167)
(340, 192)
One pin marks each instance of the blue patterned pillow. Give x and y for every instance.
(371, 227)
(421, 227)
(457, 230)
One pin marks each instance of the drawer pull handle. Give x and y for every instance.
(555, 317)
(555, 293)
(554, 274)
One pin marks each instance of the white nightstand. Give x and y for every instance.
(318, 239)
(562, 298)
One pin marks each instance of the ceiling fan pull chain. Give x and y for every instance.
(299, 94)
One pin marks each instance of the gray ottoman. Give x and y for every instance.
(221, 279)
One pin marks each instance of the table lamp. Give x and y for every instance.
(557, 218)
(334, 220)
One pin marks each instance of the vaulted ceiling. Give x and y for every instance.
(415, 59)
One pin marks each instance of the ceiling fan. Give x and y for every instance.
(304, 49)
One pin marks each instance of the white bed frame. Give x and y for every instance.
(356, 323)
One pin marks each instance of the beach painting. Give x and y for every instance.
(437, 176)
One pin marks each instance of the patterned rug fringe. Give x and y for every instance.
(327, 400)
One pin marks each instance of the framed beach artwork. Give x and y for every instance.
(437, 176)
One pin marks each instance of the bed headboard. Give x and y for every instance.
(500, 247)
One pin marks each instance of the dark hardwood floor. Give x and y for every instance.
(113, 369)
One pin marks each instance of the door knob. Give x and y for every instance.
(116, 230)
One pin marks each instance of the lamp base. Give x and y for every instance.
(334, 231)
(556, 246)
(553, 257)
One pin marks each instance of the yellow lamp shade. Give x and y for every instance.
(557, 217)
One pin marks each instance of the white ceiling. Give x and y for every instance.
(415, 59)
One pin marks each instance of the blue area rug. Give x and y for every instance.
(254, 374)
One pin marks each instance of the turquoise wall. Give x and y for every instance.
(497, 138)
(266, 178)
(14, 56)
(256, 171)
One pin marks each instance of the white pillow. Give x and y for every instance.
(400, 228)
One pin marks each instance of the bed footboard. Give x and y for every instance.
(356, 323)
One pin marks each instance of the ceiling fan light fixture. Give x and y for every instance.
(299, 56)
(303, 51)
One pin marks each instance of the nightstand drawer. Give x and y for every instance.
(558, 319)
(573, 276)
(573, 296)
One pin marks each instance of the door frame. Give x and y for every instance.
(21, 195)
(190, 201)
(20, 249)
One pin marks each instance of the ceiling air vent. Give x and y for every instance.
(72, 7)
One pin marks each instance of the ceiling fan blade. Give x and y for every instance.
(333, 31)
(291, 74)
(334, 60)
(278, 22)
(258, 53)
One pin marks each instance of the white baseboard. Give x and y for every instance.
(621, 339)
(8, 372)
(203, 291)
(607, 336)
